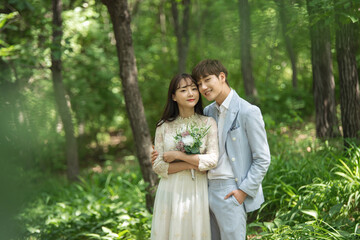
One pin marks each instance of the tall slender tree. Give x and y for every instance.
(181, 29)
(60, 94)
(346, 43)
(120, 17)
(245, 49)
(284, 20)
(162, 21)
(323, 78)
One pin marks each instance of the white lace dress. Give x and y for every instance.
(181, 209)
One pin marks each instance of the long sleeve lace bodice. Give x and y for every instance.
(164, 141)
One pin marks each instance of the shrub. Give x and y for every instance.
(104, 205)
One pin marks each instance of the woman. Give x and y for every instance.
(181, 209)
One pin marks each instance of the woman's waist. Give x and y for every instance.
(188, 173)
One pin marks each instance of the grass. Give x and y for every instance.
(312, 191)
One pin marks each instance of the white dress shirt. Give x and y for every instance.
(223, 169)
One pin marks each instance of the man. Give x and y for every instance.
(244, 156)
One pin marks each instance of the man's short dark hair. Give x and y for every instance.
(209, 67)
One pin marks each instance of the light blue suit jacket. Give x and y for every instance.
(246, 145)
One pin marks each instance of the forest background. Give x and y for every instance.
(82, 85)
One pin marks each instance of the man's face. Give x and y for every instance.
(211, 86)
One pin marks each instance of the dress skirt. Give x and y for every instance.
(181, 209)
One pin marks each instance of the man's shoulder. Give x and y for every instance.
(243, 105)
(211, 105)
(208, 108)
(237, 101)
(247, 105)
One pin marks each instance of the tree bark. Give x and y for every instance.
(323, 78)
(348, 75)
(60, 94)
(245, 50)
(288, 41)
(120, 17)
(181, 32)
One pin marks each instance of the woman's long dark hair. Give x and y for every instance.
(171, 111)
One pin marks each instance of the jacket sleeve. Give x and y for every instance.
(206, 111)
(160, 166)
(210, 158)
(256, 135)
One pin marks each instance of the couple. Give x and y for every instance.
(226, 173)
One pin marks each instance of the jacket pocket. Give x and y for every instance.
(235, 133)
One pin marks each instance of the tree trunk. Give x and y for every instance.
(60, 95)
(288, 41)
(120, 17)
(323, 78)
(162, 20)
(181, 32)
(245, 47)
(348, 75)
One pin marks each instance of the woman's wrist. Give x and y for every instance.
(187, 158)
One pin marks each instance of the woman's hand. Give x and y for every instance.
(171, 156)
(196, 168)
(154, 155)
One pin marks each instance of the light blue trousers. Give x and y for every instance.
(227, 216)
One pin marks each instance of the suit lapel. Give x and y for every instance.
(213, 112)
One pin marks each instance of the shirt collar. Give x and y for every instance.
(226, 102)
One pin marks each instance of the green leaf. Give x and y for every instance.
(335, 209)
(5, 17)
(92, 235)
(33, 230)
(106, 230)
(312, 213)
(122, 233)
(269, 225)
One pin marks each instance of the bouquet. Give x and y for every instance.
(189, 140)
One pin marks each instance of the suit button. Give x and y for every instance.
(234, 138)
(233, 159)
(236, 179)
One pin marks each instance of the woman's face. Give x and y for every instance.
(187, 94)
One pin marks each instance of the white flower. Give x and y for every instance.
(188, 140)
